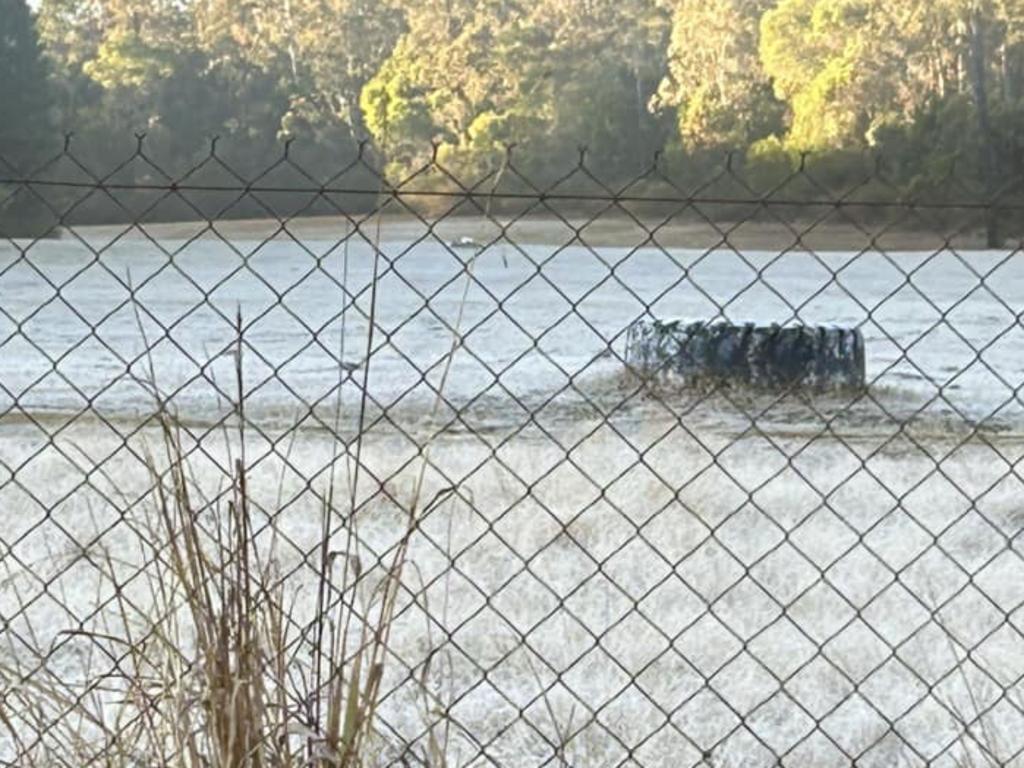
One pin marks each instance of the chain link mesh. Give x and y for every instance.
(602, 568)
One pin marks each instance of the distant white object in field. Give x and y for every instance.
(464, 242)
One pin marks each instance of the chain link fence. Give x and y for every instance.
(310, 468)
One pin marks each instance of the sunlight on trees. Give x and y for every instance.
(926, 82)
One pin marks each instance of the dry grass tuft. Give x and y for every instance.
(203, 659)
(205, 662)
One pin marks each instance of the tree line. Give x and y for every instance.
(934, 86)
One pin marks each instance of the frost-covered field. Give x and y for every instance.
(655, 577)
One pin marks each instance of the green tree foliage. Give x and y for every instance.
(24, 128)
(715, 80)
(24, 91)
(848, 68)
(929, 82)
(547, 76)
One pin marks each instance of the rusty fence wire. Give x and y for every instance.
(310, 467)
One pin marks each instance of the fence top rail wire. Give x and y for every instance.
(767, 199)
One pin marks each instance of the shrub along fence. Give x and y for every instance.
(322, 468)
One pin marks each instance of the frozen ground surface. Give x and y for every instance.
(728, 580)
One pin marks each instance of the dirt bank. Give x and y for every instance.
(608, 231)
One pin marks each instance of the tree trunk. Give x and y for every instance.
(988, 160)
(1004, 72)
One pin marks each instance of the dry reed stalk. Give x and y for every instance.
(203, 675)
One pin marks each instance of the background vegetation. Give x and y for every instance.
(930, 85)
